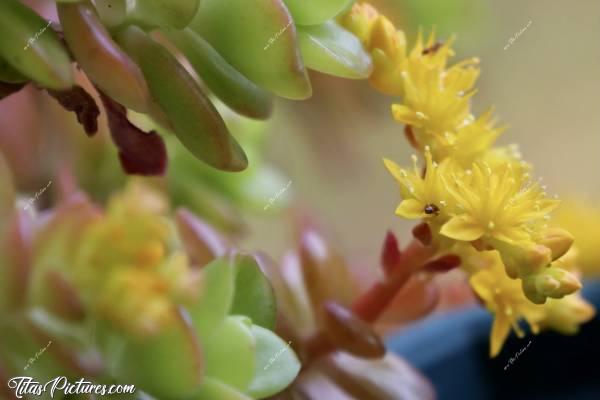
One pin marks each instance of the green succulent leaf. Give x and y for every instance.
(9, 74)
(194, 118)
(226, 82)
(229, 353)
(254, 296)
(215, 301)
(214, 389)
(167, 365)
(276, 364)
(314, 12)
(163, 13)
(112, 12)
(263, 45)
(331, 49)
(30, 45)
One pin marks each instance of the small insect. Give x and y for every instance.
(433, 49)
(431, 209)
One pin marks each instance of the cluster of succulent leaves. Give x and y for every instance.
(170, 308)
(242, 52)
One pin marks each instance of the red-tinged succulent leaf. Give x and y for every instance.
(6, 89)
(17, 252)
(101, 58)
(443, 264)
(422, 232)
(389, 378)
(140, 153)
(314, 385)
(351, 334)
(4, 390)
(7, 192)
(64, 300)
(294, 299)
(321, 266)
(202, 243)
(390, 254)
(82, 104)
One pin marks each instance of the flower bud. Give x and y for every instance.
(523, 261)
(553, 282)
(558, 240)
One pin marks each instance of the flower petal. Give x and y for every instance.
(394, 169)
(411, 209)
(463, 228)
(500, 331)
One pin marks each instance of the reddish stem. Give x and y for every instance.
(371, 304)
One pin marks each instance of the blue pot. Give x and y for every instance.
(452, 351)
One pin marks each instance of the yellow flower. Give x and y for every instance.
(431, 108)
(496, 205)
(471, 141)
(567, 314)
(423, 194)
(504, 298)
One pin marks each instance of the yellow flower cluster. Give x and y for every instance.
(479, 201)
(139, 282)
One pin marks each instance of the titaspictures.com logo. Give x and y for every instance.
(27, 386)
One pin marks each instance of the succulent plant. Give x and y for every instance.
(132, 295)
(129, 50)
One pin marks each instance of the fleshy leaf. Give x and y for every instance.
(230, 352)
(254, 296)
(277, 364)
(168, 365)
(30, 45)
(202, 242)
(192, 115)
(216, 297)
(331, 49)
(263, 45)
(101, 58)
(153, 13)
(226, 82)
(215, 389)
(314, 12)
